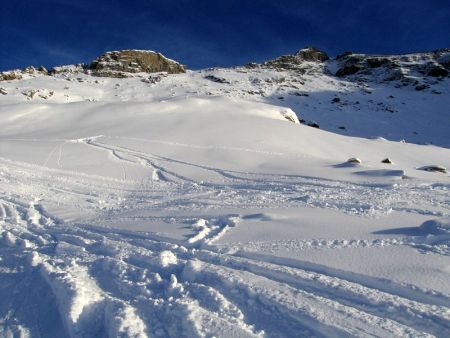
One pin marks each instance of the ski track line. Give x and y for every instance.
(313, 193)
(256, 280)
(134, 284)
(321, 200)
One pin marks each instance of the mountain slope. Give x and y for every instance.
(197, 205)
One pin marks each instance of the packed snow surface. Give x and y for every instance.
(191, 207)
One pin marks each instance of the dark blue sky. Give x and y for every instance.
(208, 33)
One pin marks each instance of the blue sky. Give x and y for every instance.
(208, 33)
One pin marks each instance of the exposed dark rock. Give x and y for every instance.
(354, 160)
(434, 168)
(3, 91)
(289, 118)
(154, 78)
(314, 124)
(421, 86)
(377, 62)
(443, 57)
(336, 100)
(119, 63)
(348, 70)
(308, 60)
(387, 160)
(437, 71)
(252, 65)
(285, 62)
(217, 79)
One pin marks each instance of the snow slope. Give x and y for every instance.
(195, 207)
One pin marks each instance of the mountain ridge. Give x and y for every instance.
(351, 62)
(393, 97)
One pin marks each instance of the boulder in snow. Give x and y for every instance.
(434, 168)
(354, 160)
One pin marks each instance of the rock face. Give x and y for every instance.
(306, 60)
(404, 68)
(312, 54)
(118, 63)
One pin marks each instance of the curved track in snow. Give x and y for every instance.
(102, 281)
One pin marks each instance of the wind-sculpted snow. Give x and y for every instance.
(120, 283)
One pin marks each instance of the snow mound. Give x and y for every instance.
(437, 226)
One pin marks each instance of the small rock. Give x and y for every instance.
(314, 124)
(251, 65)
(336, 100)
(30, 94)
(342, 127)
(43, 70)
(3, 91)
(434, 168)
(354, 160)
(420, 87)
(29, 70)
(387, 160)
(217, 79)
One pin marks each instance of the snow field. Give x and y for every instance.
(190, 208)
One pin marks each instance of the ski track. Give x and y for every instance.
(119, 283)
(298, 189)
(93, 273)
(139, 283)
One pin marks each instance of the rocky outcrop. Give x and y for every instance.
(312, 54)
(306, 60)
(406, 69)
(10, 75)
(121, 63)
(18, 74)
(68, 69)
